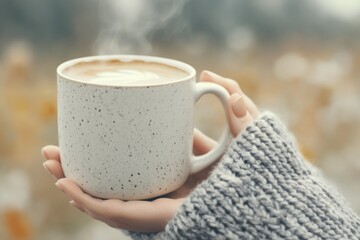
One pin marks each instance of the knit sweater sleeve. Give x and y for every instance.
(262, 189)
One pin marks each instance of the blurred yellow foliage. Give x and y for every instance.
(321, 110)
(17, 225)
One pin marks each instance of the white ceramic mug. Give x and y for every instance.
(132, 142)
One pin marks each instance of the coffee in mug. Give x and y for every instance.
(125, 124)
(116, 72)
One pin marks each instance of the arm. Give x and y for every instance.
(262, 189)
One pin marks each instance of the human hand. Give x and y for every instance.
(242, 109)
(153, 215)
(141, 216)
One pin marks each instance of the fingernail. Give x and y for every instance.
(238, 105)
(46, 167)
(58, 184)
(74, 204)
(44, 153)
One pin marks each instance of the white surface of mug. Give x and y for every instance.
(131, 141)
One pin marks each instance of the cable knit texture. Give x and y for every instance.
(262, 189)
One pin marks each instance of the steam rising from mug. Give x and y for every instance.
(127, 25)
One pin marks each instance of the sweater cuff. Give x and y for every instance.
(263, 150)
(266, 144)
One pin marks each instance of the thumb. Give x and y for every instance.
(239, 116)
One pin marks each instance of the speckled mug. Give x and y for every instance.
(132, 142)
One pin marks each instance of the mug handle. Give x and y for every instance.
(199, 163)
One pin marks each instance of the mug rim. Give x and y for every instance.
(128, 58)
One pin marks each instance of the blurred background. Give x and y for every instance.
(299, 59)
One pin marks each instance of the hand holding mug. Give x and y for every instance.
(153, 215)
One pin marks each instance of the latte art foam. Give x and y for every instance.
(125, 76)
(117, 73)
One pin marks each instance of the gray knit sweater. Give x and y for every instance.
(262, 189)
